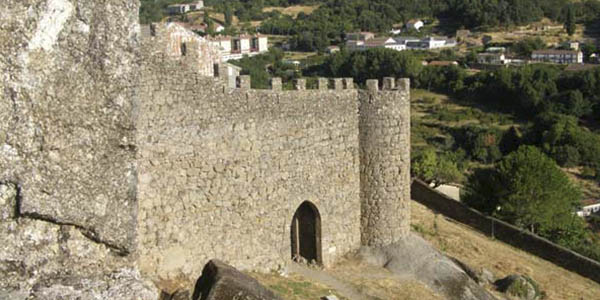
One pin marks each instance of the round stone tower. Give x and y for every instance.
(384, 135)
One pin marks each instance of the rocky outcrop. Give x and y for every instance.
(67, 172)
(220, 281)
(44, 260)
(66, 113)
(413, 256)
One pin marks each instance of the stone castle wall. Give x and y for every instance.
(222, 171)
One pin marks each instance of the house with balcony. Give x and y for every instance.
(557, 56)
(237, 46)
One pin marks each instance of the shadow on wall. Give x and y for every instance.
(517, 237)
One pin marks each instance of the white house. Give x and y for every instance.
(184, 8)
(493, 58)
(415, 24)
(573, 45)
(586, 211)
(238, 46)
(333, 49)
(384, 42)
(413, 43)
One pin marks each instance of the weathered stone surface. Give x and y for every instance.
(67, 159)
(519, 286)
(66, 112)
(486, 276)
(220, 281)
(48, 261)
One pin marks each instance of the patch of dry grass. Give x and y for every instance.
(377, 283)
(294, 287)
(479, 251)
(380, 283)
(293, 10)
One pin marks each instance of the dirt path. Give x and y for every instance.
(345, 290)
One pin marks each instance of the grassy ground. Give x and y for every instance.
(294, 287)
(293, 10)
(550, 32)
(433, 115)
(479, 251)
(372, 282)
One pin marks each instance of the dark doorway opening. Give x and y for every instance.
(306, 234)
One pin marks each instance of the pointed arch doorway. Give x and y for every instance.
(306, 234)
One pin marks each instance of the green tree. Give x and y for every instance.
(424, 164)
(570, 20)
(210, 24)
(531, 191)
(433, 168)
(228, 16)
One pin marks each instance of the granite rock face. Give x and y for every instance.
(413, 256)
(66, 126)
(67, 160)
(43, 260)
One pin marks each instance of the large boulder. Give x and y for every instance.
(519, 286)
(413, 256)
(220, 281)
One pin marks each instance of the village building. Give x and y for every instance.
(572, 45)
(384, 42)
(184, 8)
(427, 43)
(591, 206)
(491, 58)
(364, 41)
(333, 49)
(238, 46)
(415, 24)
(557, 56)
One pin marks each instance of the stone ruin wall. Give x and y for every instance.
(222, 171)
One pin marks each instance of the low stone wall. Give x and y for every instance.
(505, 232)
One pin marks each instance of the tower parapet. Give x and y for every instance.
(384, 139)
